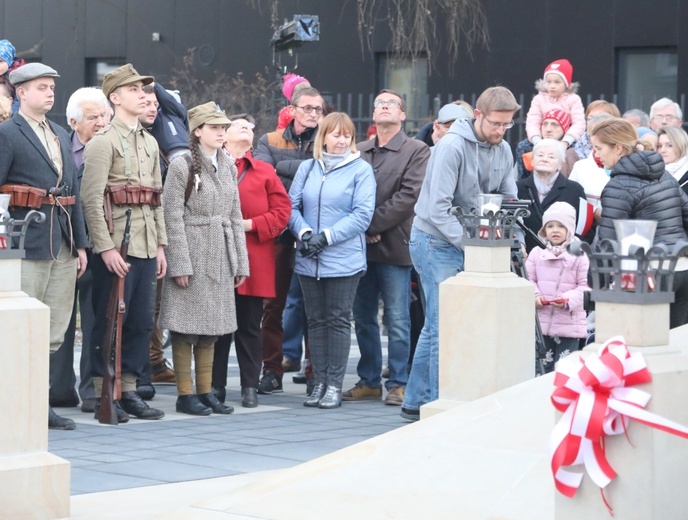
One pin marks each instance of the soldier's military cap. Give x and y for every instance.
(123, 75)
(207, 114)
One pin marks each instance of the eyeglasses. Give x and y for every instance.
(309, 109)
(243, 124)
(389, 103)
(668, 119)
(505, 126)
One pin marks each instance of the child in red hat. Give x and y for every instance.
(556, 91)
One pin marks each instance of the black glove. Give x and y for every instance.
(316, 244)
(305, 240)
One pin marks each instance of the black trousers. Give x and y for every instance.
(139, 298)
(62, 377)
(249, 347)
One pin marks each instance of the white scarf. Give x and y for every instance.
(678, 168)
(544, 186)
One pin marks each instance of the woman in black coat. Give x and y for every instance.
(640, 188)
(547, 186)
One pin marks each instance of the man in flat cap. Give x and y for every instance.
(123, 155)
(37, 157)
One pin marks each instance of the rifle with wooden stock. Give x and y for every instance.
(112, 345)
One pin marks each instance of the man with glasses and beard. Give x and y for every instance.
(471, 158)
(286, 149)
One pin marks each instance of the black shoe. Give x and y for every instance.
(122, 416)
(220, 392)
(270, 383)
(132, 403)
(145, 390)
(55, 422)
(192, 405)
(88, 405)
(410, 414)
(310, 384)
(249, 397)
(214, 404)
(300, 377)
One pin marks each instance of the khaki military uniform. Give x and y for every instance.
(105, 165)
(118, 155)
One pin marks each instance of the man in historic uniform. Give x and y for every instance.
(122, 171)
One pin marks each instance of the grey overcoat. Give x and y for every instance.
(207, 243)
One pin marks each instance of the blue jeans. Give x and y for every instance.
(393, 283)
(294, 321)
(435, 259)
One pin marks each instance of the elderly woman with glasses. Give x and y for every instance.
(265, 208)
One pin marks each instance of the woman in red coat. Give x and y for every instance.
(266, 208)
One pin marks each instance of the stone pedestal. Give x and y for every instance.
(653, 467)
(34, 484)
(640, 325)
(486, 330)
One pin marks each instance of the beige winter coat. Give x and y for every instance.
(207, 243)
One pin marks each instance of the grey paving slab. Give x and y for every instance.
(164, 470)
(238, 461)
(107, 457)
(90, 481)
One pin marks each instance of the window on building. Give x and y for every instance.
(96, 68)
(408, 77)
(645, 75)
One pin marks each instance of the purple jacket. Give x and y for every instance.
(564, 276)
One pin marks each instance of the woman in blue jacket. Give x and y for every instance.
(332, 200)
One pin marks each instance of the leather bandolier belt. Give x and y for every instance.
(130, 195)
(23, 196)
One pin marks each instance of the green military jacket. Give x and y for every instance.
(105, 165)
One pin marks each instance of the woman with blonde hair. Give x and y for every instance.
(640, 188)
(672, 145)
(332, 204)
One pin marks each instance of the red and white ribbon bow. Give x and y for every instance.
(596, 401)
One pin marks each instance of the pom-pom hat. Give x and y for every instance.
(561, 117)
(562, 68)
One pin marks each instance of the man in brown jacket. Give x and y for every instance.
(399, 165)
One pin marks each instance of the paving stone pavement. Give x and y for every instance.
(279, 433)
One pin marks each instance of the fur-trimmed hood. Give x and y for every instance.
(571, 89)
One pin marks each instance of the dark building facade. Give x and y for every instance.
(632, 49)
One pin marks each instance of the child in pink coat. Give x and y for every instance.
(556, 91)
(560, 280)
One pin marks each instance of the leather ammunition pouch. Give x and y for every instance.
(23, 196)
(130, 195)
(135, 195)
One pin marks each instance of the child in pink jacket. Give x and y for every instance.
(556, 91)
(560, 280)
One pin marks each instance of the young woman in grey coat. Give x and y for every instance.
(206, 257)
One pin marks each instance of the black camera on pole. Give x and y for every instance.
(303, 28)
